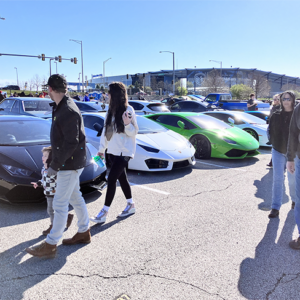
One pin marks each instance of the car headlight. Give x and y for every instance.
(17, 171)
(230, 141)
(149, 149)
(189, 144)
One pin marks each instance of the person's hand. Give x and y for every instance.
(51, 172)
(35, 185)
(127, 118)
(100, 154)
(290, 165)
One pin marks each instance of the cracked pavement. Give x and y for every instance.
(208, 239)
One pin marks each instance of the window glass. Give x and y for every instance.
(157, 107)
(207, 122)
(222, 117)
(136, 106)
(18, 132)
(148, 126)
(36, 105)
(89, 121)
(172, 121)
(211, 98)
(85, 107)
(16, 107)
(44, 105)
(7, 104)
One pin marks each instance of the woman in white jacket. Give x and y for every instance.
(118, 137)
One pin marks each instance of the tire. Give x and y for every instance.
(252, 132)
(202, 146)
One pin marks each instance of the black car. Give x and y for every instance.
(21, 140)
(11, 87)
(260, 114)
(170, 101)
(191, 106)
(29, 106)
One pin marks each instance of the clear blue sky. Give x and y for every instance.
(247, 34)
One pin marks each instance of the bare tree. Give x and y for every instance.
(214, 83)
(260, 85)
(30, 84)
(291, 87)
(153, 83)
(37, 81)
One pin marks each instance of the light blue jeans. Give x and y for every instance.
(279, 167)
(297, 205)
(67, 191)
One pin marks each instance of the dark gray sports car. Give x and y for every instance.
(21, 141)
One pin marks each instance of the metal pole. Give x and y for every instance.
(17, 76)
(82, 67)
(221, 69)
(104, 74)
(56, 66)
(174, 73)
(50, 65)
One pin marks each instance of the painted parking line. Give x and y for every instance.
(238, 169)
(148, 188)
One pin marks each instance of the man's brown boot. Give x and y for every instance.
(79, 238)
(46, 232)
(69, 221)
(43, 250)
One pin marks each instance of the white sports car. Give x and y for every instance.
(251, 124)
(158, 149)
(142, 107)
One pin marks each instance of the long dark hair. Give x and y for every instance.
(293, 98)
(117, 105)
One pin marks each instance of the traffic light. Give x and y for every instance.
(75, 60)
(59, 58)
(43, 57)
(127, 76)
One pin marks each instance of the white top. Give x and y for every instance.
(121, 143)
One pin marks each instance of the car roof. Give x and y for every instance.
(28, 98)
(144, 102)
(102, 114)
(181, 114)
(19, 118)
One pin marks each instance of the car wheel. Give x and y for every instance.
(201, 145)
(251, 132)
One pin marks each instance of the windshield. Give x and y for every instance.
(247, 118)
(207, 122)
(36, 105)
(20, 133)
(158, 107)
(149, 126)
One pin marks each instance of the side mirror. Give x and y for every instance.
(98, 128)
(181, 124)
(231, 121)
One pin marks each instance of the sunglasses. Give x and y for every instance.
(286, 99)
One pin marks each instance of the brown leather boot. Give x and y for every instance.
(79, 238)
(44, 250)
(69, 221)
(46, 232)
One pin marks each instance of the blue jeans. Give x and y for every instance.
(67, 191)
(279, 167)
(297, 205)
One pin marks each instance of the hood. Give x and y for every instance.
(260, 126)
(168, 140)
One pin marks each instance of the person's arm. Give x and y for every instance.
(293, 141)
(103, 140)
(132, 128)
(70, 127)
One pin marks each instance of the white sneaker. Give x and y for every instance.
(129, 210)
(101, 217)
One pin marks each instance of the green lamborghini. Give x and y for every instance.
(210, 137)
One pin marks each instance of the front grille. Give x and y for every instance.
(235, 153)
(25, 194)
(180, 164)
(252, 152)
(156, 163)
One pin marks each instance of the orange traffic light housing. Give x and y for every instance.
(43, 57)
(75, 60)
(59, 58)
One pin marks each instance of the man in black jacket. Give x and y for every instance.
(68, 160)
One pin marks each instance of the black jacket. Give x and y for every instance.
(279, 130)
(67, 136)
(294, 136)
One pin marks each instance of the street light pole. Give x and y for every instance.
(17, 76)
(219, 62)
(104, 71)
(173, 68)
(56, 66)
(80, 42)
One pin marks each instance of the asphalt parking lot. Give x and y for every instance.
(199, 233)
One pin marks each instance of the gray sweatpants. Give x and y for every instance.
(50, 209)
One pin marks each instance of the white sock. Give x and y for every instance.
(106, 208)
(130, 201)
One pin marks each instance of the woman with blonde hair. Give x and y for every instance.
(119, 139)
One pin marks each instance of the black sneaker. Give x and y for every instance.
(295, 244)
(293, 204)
(274, 213)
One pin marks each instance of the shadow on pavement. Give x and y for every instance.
(264, 191)
(11, 215)
(19, 275)
(259, 275)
